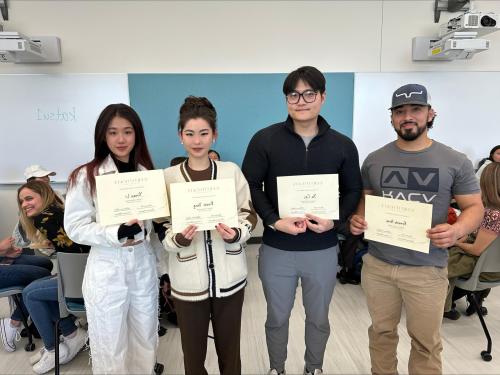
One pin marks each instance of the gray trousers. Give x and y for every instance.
(279, 272)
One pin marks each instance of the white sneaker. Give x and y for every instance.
(48, 360)
(318, 371)
(273, 371)
(8, 334)
(74, 344)
(37, 356)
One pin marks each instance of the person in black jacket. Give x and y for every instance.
(300, 247)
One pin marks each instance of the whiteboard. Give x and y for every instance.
(467, 106)
(50, 120)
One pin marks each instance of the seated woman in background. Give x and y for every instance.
(17, 269)
(42, 213)
(494, 157)
(464, 255)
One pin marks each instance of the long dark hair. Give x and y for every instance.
(139, 155)
(492, 152)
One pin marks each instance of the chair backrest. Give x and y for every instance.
(70, 271)
(489, 261)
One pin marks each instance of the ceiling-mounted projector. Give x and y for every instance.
(18, 48)
(458, 39)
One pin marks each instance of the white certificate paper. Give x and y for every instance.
(309, 194)
(398, 222)
(204, 204)
(134, 195)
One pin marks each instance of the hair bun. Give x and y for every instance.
(196, 102)
(197, 107)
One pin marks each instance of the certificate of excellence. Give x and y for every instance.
(398, 222)
(309, 194)
(133, 195)
(204, 204)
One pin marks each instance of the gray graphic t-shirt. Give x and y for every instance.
(433, 176)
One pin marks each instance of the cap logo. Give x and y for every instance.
(408, 96)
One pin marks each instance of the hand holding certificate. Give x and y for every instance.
(309, 194)
(203, 204)
(134, 195)
(398, 222)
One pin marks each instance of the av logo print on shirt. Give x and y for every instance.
(426, 179)
(410, 178)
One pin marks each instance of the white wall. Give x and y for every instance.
(231, 36)
(465, 103)
(236, 36)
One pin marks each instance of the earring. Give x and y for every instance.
(182, 143)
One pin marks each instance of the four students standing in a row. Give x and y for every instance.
(208, 268)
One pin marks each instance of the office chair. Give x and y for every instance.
(15, 292)
(70, 270)
(489, 261)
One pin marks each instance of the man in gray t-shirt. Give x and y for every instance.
(413, 168)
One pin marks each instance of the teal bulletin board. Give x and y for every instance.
(245, 103)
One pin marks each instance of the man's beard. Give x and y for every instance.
(409, 134)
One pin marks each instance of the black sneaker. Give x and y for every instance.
(452, 314)
(34, 331)
(161, 331)
(346, 276)
(471, 310)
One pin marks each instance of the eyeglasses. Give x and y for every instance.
(309, 96)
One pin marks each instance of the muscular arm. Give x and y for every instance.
(445, 235)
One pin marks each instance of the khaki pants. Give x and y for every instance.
(423, 291)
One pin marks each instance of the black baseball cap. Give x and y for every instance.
(412, 93)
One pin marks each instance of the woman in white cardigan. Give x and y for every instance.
(120, 285)
(208, 268)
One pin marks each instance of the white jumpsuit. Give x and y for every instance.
(120, 286)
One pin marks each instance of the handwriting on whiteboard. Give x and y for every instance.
(59, 114)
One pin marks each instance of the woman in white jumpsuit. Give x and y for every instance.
(120, 285)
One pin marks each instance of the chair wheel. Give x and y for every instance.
(158, 368)
(30, 347)
(486, 356)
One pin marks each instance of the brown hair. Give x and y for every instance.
(490, 186)
(49, 198)
(197, 107)
(139, 155)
